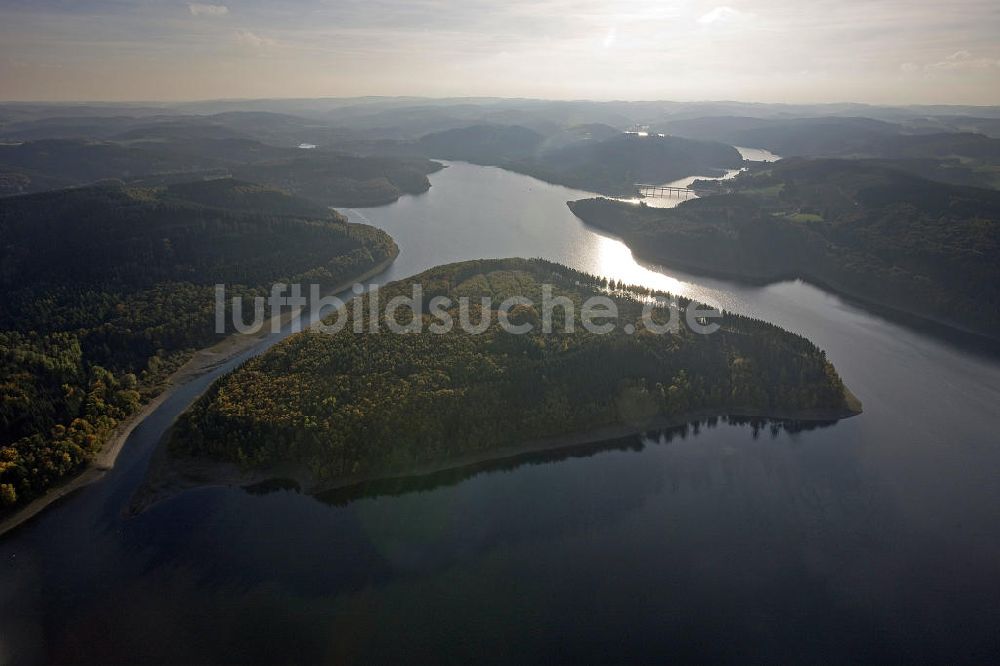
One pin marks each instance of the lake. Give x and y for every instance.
(874, 539)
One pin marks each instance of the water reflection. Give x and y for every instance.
(393, 487)
(611, 257)
(757, 154)
(470, 213)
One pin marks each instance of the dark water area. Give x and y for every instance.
(876, 538)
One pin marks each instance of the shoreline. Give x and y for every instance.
(587, 187)
(168, 476)
(877, 307)
(202, 361)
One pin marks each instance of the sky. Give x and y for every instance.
(876, 51)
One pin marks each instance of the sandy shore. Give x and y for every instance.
(169, 476)
(202, 361)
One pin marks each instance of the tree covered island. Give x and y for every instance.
(350, 406)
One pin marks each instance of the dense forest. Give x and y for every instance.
(341, 179)
(613, 166)
(348, 405)
(924, 148)
(107, 289)
(482, 144)
(874, 233)
(589, 158)
(167, 154)
(826, 136)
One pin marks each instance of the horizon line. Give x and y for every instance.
(205, 100)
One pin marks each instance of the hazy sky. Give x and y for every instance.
(888, 51)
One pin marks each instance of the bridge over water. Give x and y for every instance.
(663, 191)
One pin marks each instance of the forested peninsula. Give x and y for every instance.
(106, 290)
(872, 233)
(605, 163)
(344, 407)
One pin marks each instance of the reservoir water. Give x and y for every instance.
(875, 539)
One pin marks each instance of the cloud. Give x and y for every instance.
(960, 62)
(200, 9)
(247, 38)
(609, 39)
(964, 60)
(874, 51)
(723, 14)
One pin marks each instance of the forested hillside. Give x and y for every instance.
(348, 405)
(936, 152)
(343, 180)
(873, 233)
(613, 166)
(790, 136)
(482, 144)
(107, 289)
(166, 154)
(599, 161)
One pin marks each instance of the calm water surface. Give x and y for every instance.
(877, 538)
